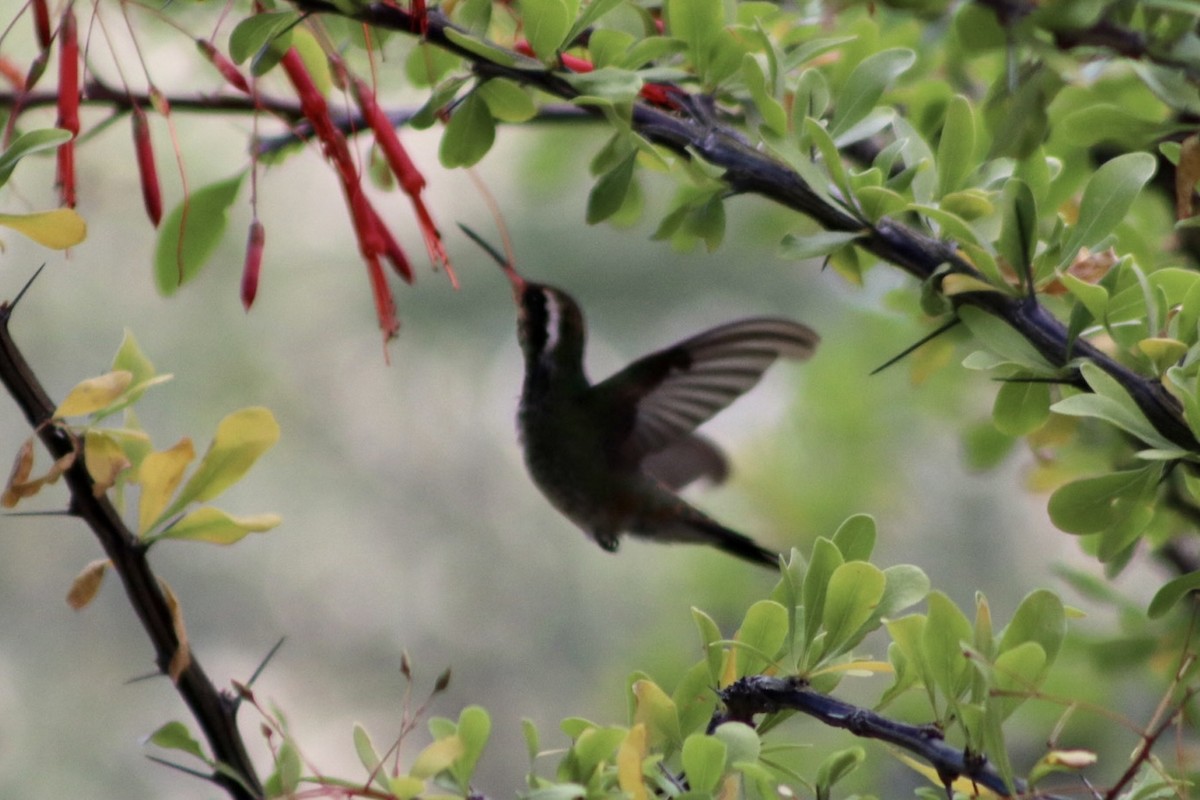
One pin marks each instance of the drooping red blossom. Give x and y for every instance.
(229, 71)
(367, 225)
(252, 266)
(147, 171)
(68, 104)
(411, 181)
(41, 23)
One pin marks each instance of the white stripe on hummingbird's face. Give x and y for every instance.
(554, 319)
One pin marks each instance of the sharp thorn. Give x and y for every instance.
(923, 340)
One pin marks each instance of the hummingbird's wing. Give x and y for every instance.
(686, 460)
(664, 396)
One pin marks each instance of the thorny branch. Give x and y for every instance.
(763, 694)
(751, 171)
(213, 710)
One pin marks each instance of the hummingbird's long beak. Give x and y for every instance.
(514, 277)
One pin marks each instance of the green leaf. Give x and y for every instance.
(825, 559)
(255, 33)
(815, 245)
(287, 773)
(190, 233)
(1091, 505)
(214, 526)
(703, 761)
(609, 193)
(241, 438)
(1021, 407)
(1107, 198)
(594, 10)
(694, 698)
(437, 757)
(830, 156)
(533, 744)
(175, 736)
(1040, 618)
(546, 25)
(1171, 593)
(1093, 296)
(28, 143)
(762, 633)
(698, 23)
(866, 85)
(368, 756)
(854, 592)
(474, 729)
(709, 635)
(1018, 226)
(484, 49)
(946, 629)
(1016, 673)
(771, 110)
(1112, 404)
(741, 742)
(57, 229)
(1003, 340)
(855, 537)
(507, 101)
(836, 766)
(469, 134)
(956, 149)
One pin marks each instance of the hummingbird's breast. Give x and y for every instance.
(570, 456)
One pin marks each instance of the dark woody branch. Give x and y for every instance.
(690, 132)
(762, 694)
(213, 710)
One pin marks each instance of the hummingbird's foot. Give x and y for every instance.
(609, 542)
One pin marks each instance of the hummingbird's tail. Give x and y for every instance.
(702, 530)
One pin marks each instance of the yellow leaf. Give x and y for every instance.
(658, 712)
(213, 525)
(406, 787)
(87, 584)
(182, 659)
(962, 784)
(437, 757)
(160, 475)
(730, 788)
(22, 466)
(104, 458)
(241, 438)
(957, 283)
(94, 394)
(629, 763)
(57, 229)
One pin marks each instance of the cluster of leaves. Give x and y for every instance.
(812, 625)
(119, 457)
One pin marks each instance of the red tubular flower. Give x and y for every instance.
(68, 104)
(253, 263)
(392, 250)
(411, 181)
(372, 242)
(227, 68)
(41, 23)
(147, 171)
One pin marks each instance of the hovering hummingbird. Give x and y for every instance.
(611, 456)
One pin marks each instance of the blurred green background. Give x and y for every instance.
(409, 522)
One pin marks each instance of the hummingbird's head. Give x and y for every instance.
(549, 322)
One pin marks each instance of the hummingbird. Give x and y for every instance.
(612, 456)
